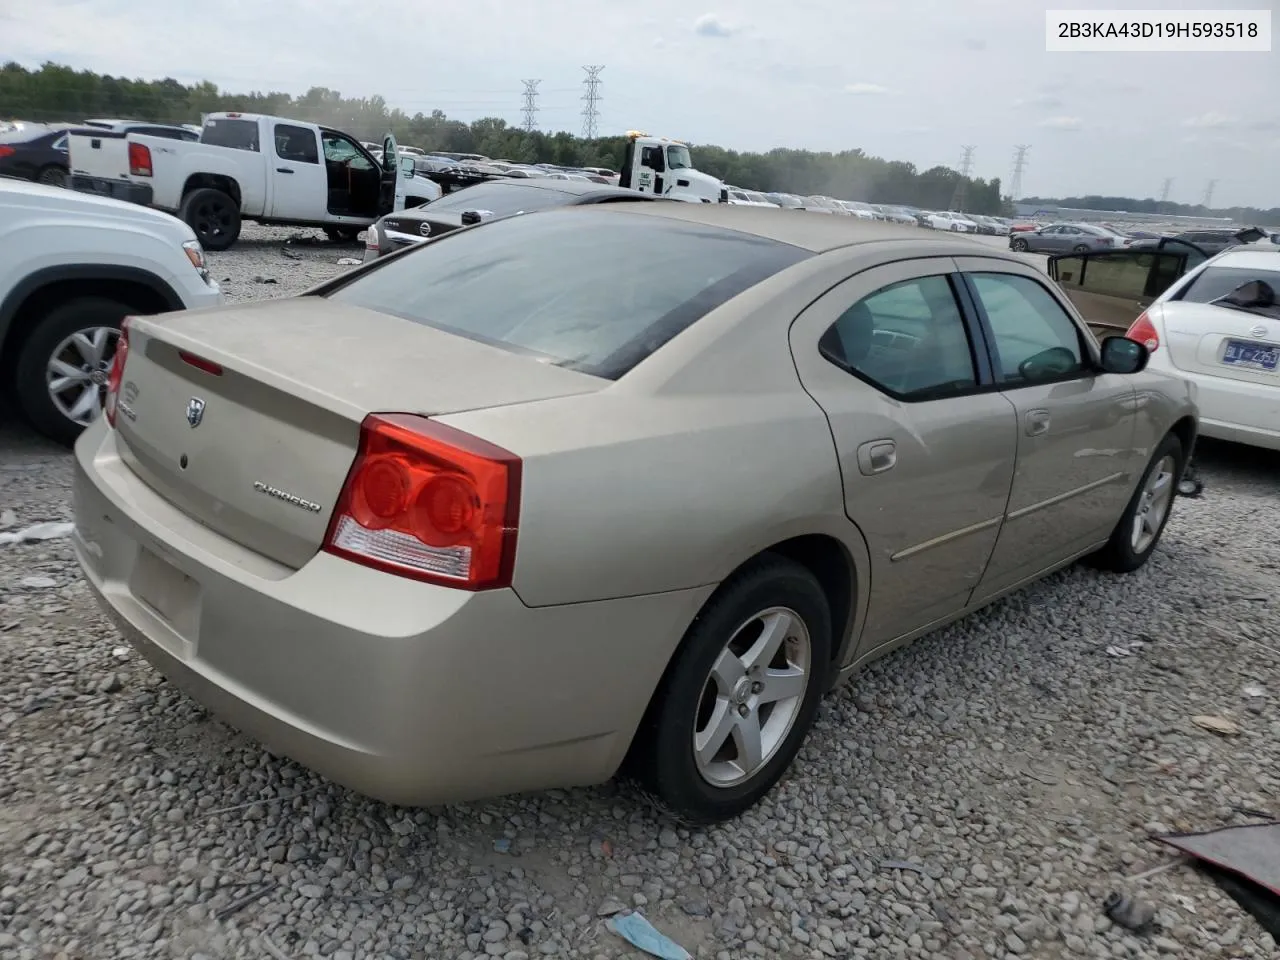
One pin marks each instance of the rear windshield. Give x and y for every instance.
(502, 199)
(237, 134)
(590, 290)
(1213, 283)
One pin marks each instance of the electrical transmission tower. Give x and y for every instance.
(530, 104)
(591, 112)
(1208, 193)
(1166, 189)
(961, 196)
(1019, 166)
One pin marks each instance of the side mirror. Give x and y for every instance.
(1122, 355)
(407, 166)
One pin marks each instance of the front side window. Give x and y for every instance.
(338, 149)
(590, 290)
(678, 158)
(907, 339)
(1036, 340)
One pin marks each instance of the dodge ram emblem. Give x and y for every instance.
(195, 412)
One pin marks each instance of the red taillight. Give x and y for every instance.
(200, 363)
(117, 372)
(139, 160)
(6, 151)
(1144, 331)
(429, 502)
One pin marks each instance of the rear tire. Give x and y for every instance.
(213, 215)
(1081, 248)
(51, 340)
(52, 176)
(1140, 526)
(342, 234)
(714, 683)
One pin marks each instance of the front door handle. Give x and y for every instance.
(1037, 422)
(877, 456)
(283, 170)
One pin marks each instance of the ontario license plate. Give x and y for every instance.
(1258, 356)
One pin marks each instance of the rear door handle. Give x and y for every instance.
(877, 456)
(1037, 422)
(283, 170)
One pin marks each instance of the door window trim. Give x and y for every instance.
(1087, 353)
(984, 370)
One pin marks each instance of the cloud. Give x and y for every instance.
(1210, 121)
(975, 44)
(709, 25)
(1046, 101)
(866, 89)
(915, 131)
(1061, 123)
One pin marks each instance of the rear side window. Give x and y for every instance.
(237, 134)
(590, 290)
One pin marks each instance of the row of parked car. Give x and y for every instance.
(889, 212)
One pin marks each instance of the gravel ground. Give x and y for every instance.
(1009, 759)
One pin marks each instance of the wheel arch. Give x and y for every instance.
(1186, 430)
(44, 289)
(213, 181)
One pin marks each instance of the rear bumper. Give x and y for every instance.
(140, 193)
(1237, 411)
(410, 693)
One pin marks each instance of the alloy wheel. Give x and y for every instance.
(77, 372)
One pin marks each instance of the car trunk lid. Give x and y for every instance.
(1222, 342)
(248, 418)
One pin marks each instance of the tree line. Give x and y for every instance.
(57, 93)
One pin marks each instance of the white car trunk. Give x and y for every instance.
(1221, 342)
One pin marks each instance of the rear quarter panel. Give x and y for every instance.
(702, 456)
(1162, 400)
(175, 161)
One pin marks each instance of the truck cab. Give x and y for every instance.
(664, 168)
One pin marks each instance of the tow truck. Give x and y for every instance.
(664, 168)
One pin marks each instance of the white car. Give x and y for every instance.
(72, 266)
(951, 221)
(748, 198)
(1217, 325)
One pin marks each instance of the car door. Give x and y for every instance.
(1076, 463)
(299, 188)
(926, 446)
(1046, 240)
(394, 177)
(1111, 288)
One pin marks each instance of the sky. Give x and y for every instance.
(913, 80)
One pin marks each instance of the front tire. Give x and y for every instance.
(739, 696)
(63, 365)
(213, 215)
(342, 234)
(1140, 526)
(1019, 245)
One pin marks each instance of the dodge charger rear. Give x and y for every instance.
(351, 523)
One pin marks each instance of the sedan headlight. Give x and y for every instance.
(195, 253)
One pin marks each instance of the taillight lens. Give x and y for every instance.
(1144, 331)
(116, 376)
(426, 501)
(139, 160)
(6, 151)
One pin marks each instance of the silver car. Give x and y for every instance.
(623, 487)
(1067, 238)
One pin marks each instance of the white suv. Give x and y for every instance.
(72, 266)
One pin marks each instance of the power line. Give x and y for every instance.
(960, 197)
(530, 104)
(1166, 189)
(591, 112)
(1019, 166)
(1208, 194)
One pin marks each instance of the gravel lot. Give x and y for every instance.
(1009, 758)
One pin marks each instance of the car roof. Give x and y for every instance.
(816, 234)
(1252, 256)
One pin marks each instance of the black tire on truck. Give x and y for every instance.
(213, 215)
(342, 234)
(65, 360)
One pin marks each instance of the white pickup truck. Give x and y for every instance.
(251, 167)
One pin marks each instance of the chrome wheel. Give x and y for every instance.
(752, 697)
(77, 371)
(1153, 505)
